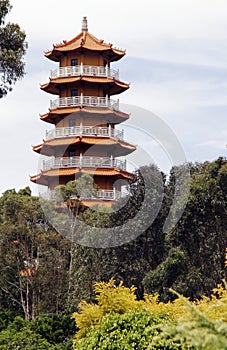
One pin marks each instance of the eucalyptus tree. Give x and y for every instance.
(12, 50)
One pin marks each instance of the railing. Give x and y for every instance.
(83, 162)
(100, 195)
(91, 71)
(84, 131)
(85, 101)
(109, 194)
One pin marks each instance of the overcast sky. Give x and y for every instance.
(176, 63)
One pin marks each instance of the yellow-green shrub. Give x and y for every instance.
(110, 299)
(117, 299)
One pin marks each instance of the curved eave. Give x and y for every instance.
(39, 179)
(121, 148)
(115, 86)
(85, 41)
(44, 176)
(55, 115)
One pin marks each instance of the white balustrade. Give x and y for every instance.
(85, 101)
(109, 194)
(83, 162)
(90, 71)
(81, 130)
(100, 195)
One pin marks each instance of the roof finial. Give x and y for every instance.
(84, 25)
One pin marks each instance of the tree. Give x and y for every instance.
(193, 261)
(12, 50)
(33, 257)
(132, 260)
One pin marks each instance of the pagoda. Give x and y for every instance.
(84, 139)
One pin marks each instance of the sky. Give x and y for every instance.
(176, 62)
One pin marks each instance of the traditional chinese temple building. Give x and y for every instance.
(85, 139)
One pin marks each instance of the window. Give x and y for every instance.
(72, 154)
(74, 92)
(71, 122)
(104, 63)
(74, 62)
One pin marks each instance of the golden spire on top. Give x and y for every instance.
(84, 25)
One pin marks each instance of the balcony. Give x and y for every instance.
(85, 101)
(81, 130)
(110, 195)
(83, 162)
(89, 71)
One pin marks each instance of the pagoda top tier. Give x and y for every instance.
(85, 41)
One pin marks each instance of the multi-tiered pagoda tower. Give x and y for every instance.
(85, 140)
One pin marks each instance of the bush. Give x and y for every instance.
(5, 318)
(23, 340)
(45, 332)
(55, 328)
(132, 330)
(119, 321)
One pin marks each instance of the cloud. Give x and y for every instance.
(180, 31)
(217, 144)
(176, 62)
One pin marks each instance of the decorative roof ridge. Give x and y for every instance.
(67, 42)
(83, 36)
(84, 24)
(102, 42)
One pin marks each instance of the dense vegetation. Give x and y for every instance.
(119, 321)
(12, 50)
(44, 276)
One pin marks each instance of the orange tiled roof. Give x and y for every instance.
(58, 142)
(117, 116)
(43, 176)
(39, 179)
(124, 147)
(92, 79)
(93, 171)
(117, 86)
(85, 139)
(106, 141)
(84, 40)
(37, 148)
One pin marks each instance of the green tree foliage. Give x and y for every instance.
(43, 272)
(193, 262)
(5, 318)
(12, 50)
(54, 328)
(52, 332)
(130, 261)
(23, 340)
(167, 274)
(82, 187)
(166, 260)
(33, 257)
